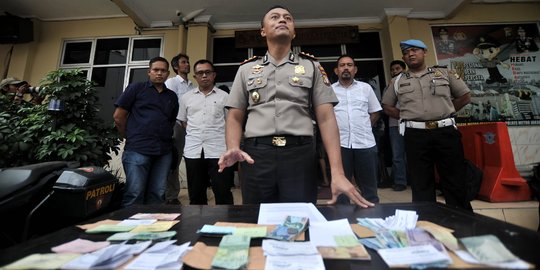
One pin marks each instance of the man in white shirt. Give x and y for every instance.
(180, 85)
(357, 111)
(202, 113)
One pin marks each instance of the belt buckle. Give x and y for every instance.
(432, 124)
(279, 141)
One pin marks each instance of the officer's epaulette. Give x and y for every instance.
(250, 59)
(437, 69)
(308, 56)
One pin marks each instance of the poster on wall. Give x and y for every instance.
(501, 65)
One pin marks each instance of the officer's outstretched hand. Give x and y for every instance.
(341, 184)
(232, 156)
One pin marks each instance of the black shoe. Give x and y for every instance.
(173, 202)
(384, 184)
(399, 187)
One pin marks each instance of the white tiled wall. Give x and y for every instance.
(525, 147)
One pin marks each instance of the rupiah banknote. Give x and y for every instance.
(290, 229)
(487, 249)
(232, 253)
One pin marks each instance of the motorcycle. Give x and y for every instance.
(39, 198)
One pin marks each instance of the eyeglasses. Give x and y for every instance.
(201, 73)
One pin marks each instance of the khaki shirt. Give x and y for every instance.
(276, 97)
(427, 95)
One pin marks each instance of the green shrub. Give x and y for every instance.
(31, 133)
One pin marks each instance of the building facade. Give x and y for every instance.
(113, 52)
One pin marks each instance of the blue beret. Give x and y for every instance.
(412, 43)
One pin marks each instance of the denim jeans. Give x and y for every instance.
(399, 166)
(146, 177)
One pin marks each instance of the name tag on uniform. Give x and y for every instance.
(404, 84)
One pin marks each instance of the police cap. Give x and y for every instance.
(412, 43)
(486, 43)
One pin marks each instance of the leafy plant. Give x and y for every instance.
(31, 133)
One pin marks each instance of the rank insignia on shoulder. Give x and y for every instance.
(250, 59)
(438, 73)
(440, 66)
(324, 76)
(308, 56)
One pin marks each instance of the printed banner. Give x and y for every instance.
(501, 65)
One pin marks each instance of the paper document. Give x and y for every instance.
(107, 258)
(413, 255)
(42, 261)
(282, 248)
(304, 262)
(336, 240)
(275, 213)
(105, 228)
(159, 226)
(322, 234)
(101, 222)
(443, 235)
(136, 222)
(216, 230)
(162, 255)
(80, 246)
(402, 220)
(158, 216)
(291, 255)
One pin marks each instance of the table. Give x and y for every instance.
(521, 241)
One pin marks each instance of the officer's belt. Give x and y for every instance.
(280, 140)
(431, 124)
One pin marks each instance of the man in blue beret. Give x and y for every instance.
(404, 45)
(428, 99)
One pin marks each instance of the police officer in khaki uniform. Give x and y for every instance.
(428, 98)
(271, 97)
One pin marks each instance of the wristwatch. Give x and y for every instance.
(19, 94)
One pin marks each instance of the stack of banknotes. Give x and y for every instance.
(290, 229)
(232, 253)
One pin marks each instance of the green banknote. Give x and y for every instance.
(142, 236)
(290, 229)
(487, 249)
(232, 253)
